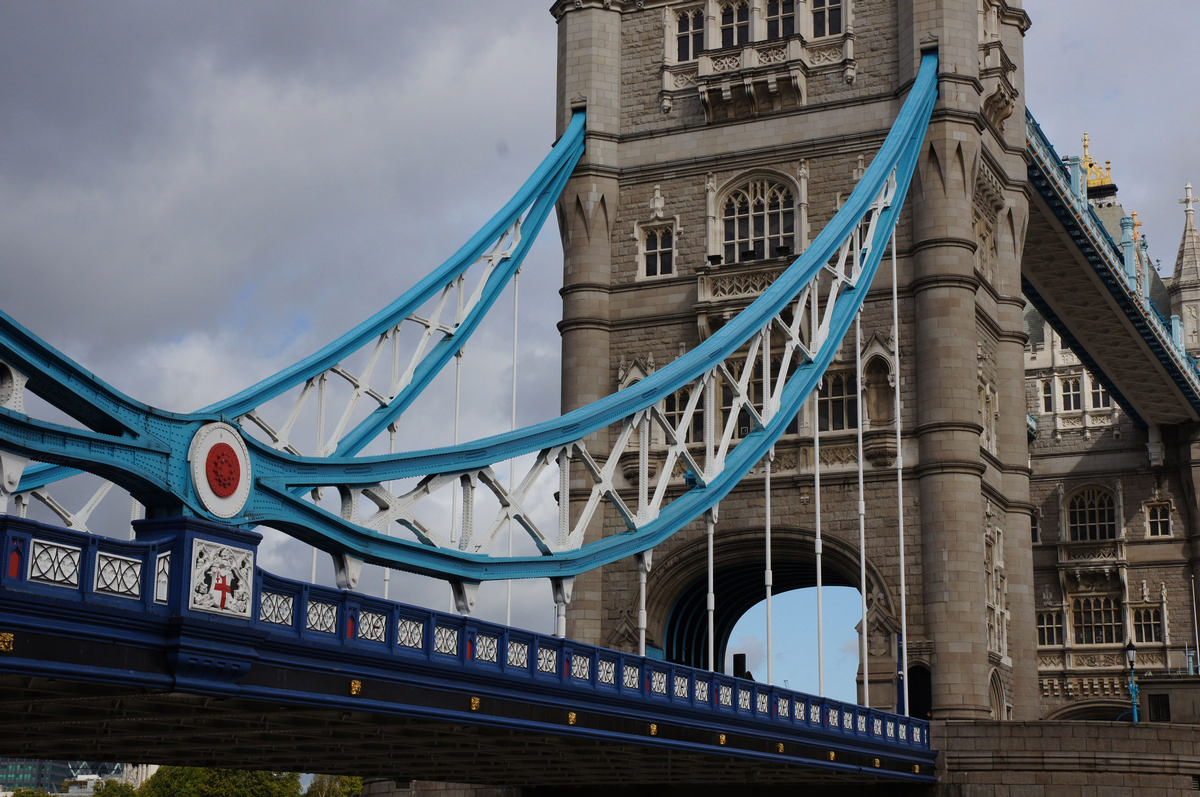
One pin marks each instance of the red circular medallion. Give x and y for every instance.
(223, 470)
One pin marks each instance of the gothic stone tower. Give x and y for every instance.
(721, 136)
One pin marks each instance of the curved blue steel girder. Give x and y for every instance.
(147, 450)
(75, 390)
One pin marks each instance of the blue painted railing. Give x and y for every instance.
(81, 583)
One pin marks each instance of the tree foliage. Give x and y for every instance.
(114, 788)
(201, 782)
(334, 786)
(22, 792)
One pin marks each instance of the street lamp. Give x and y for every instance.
(1131, 659)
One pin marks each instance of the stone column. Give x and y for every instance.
(588, 77)
(949, 466)
(1013, 449)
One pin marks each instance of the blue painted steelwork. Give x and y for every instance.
(146, 450)
(88, 399)
(140, 597)
(1067, 198)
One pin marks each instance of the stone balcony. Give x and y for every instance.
(723, 291)
(758, 77)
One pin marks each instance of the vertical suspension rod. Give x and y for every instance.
(512, 463)
(817, 543)
(900, 487)
(862, 518)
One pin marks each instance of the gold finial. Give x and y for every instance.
(1095, 175)
(1137, 226)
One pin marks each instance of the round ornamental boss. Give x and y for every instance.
(219, 463)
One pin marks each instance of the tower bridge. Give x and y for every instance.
(800, 245)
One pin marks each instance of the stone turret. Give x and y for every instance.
(1185, 282)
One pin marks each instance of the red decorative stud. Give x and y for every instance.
(223, 470)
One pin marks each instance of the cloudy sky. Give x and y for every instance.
(196, 193)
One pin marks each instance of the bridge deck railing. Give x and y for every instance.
(195, 569)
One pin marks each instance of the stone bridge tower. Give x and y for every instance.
(721, 136)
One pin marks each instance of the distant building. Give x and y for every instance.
(31, 773)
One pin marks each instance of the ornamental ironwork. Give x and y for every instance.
(629, 678)
(606, 671)
(487, 648)
(118, 575)
(681, 686)
(410, 633)
(658, 682)
(276, 608)
(372, 626)
(162, 577)
(55, 564)
(321, 617)
(518, 653)
(547, 660)
(581, 667)
(445, 640)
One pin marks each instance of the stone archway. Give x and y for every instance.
(677, 590)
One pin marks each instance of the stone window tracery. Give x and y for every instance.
(1147, 625)
(781, 18)
(656, 239)
(689, 34)
(1072, 398)
(837, 402)
(1101, 400)
(1096, 620)
(735, 24)
(658, 251)
(674, 408)
(826, 17)
(1158, 519)
(1050, 628)
(1092, 515)
(758, 220)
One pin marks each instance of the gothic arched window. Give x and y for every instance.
(837, 402)
(689, 34)
(735, 23)
(781, 18)
(827, 17)
(1147, 625)
(758, 220)
(1092, 515)
(1097, 620)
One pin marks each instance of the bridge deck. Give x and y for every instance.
(1076, 277)
(175, 649)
